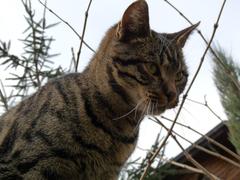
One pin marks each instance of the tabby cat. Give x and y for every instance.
(84, 126)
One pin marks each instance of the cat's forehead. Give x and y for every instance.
(164, 39)
(158, 42)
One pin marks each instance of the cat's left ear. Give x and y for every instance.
(182, 36)
(135, 22)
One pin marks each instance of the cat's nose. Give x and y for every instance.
(170, 92)
(171, 96)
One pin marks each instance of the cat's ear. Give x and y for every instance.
(134, 23)
(182, 36)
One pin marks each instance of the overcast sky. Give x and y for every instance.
(105, 13)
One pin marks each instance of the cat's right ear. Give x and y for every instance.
(134, 23)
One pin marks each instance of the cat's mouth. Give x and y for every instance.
(157, 104)
(158, 108)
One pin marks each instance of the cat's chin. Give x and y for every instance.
(172, 105)
(159, 110)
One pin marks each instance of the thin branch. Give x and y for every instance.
(181, 14)
(208, 138)
(65, 22)
(83, 33)
(225, 68)
(200, 147)
(211, 110)
(187, 155)
(185, 166)
(213, 153)
(186, 94)
(73, 61)
(205, 104)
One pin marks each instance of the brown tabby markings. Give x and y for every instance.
(85, 125)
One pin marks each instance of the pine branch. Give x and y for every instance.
(229, 94)
(32, 66)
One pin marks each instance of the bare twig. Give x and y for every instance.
(200, 147)
(182, 165)
(225, 68)
(187, 155)
(73, 61)
(224, 158)
(65, 22)
(83, 33)
(211, 110)
(205, 104)
(233, 154)
(185, 166)
(181, 14)
(187, 91)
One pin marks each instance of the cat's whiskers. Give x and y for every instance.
(149, 107)
(135, 114)
(142, 114)
(145, 110)
(132, 110)
(152, 108)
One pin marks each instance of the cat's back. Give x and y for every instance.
(53, 135)
(57, 89)
(38, 129)
(56, 94)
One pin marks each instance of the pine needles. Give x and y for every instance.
(229, 92)
(34, 67)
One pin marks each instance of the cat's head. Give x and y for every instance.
(149, 65)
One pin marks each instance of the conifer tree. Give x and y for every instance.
(226, 78)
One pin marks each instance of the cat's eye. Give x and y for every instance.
(179, 76)
(153, 69)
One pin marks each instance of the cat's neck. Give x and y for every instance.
(118, 111)
(108, 92)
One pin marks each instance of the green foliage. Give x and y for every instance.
(227, 83)
(34, 67)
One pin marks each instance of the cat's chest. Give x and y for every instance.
(112, 163)
(122, 152)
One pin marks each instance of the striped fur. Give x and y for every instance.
(85, 125)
